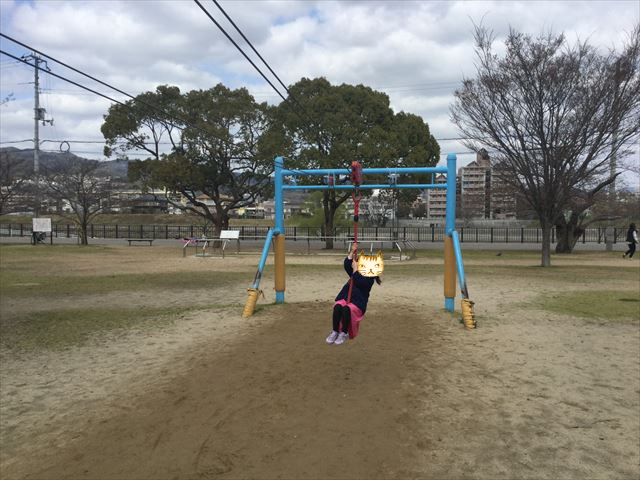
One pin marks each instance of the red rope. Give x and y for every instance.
(356, 180)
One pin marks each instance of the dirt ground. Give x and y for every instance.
(529, 394)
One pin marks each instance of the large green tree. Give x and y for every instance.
(328, 126)
(219, 157)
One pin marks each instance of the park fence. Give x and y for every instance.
(413, 234)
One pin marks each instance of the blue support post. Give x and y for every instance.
(279, 203)
(450, 226)
(279, 260)
(460, 266)
(263, 259)
(450, 219)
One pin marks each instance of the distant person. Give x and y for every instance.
(632, 239)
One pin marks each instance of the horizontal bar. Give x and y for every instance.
(322, 171)
(405, 170)
(441, 186)
(346, 171)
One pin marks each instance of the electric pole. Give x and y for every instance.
(39, 116)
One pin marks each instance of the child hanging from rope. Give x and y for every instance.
(347, 315)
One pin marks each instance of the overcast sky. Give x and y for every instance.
(416, 52)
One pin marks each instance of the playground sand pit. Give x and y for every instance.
(530, 394)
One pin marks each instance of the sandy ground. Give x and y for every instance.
(528, 395)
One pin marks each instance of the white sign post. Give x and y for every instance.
(40, 225)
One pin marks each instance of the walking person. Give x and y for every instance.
(632, 240)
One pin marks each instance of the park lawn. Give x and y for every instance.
(61, 329)
(49, 271)
(21, 284)
(618, 306)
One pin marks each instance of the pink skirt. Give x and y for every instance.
(356, 317)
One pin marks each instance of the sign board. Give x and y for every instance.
(41, 224)
(230, 234)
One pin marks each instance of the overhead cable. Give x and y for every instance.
(251, 45)
(157, 109)
(238, 47)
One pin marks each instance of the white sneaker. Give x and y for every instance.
(342, 337)
(332, 337)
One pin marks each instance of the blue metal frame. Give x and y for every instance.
(450, 186)
(278, 197)
(441, 186)
(366, 171)
(450, 216)
(263, 258)
(458, 252)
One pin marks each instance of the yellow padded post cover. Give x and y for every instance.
(449, 268)
(279, 263)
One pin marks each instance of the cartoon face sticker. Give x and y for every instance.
(370, 266)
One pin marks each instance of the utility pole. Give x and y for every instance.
(39, 116)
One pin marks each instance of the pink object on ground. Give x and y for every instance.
(356, 317)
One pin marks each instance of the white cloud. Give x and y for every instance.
(417, 52)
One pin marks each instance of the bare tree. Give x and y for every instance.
(75, 184)
(13, 180)
(554, 113)
(379, 208)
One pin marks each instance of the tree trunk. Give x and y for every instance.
(329, 212)
(568, 232)
(328, 228)
(84, 238)
(220, 221)
(568, 236)
(546, 244)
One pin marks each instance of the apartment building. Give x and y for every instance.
(475, 187)
(436, 199)
(502, 197)
(483, 192)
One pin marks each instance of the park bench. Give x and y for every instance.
(131, 240)
(221, 242)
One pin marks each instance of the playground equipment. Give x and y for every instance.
(204, 247)
(452, 250)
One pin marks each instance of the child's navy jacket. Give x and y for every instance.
(361, 288)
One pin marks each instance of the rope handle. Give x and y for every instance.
(356, 180)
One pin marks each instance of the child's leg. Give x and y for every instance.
(632, 249)
(337, 316)
(346, 319)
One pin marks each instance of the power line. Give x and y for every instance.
(238, 47)
(61, 77)
(251, 45)
(81, 73)
(18, 141)
(304, 118)
(86, 152)
(231, 144)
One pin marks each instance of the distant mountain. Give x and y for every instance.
(116, 169)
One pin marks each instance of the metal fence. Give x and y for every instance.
(413, 234)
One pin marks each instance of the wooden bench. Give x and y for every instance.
(150, 240)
